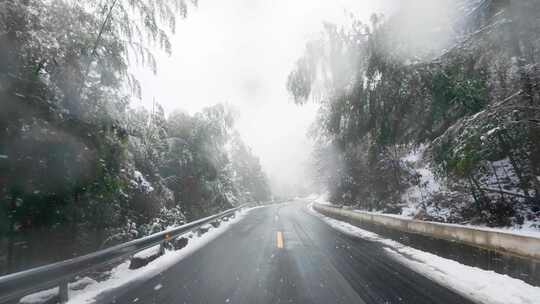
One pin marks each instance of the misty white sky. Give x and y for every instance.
(240, 52)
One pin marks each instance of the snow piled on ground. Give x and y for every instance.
(141, 183)
(147, 253)
(122, 275)
(479, 285)
(415, 195)
(429, 185)
(321, 198)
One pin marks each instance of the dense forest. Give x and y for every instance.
(436, 119)
(77, 161)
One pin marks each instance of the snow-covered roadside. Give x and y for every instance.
(430, 185)
(85, 290)
(319, 198)
(479, 285)
(528, 228)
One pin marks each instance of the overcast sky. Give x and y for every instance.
(240, 52)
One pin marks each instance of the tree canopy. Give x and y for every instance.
(467, 99)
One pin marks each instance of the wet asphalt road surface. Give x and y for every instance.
(284, 254)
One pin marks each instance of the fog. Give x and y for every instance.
(240, 52)
(425, 28)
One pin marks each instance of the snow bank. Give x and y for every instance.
(40, 297)
(147, 253)
(477, 284)
(122, 275)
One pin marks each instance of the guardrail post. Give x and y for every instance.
(63, 292)
(162, 248)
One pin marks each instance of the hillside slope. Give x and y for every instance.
(435, 119)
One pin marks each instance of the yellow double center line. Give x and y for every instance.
(279, 240)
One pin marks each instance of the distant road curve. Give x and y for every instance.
(283, 254)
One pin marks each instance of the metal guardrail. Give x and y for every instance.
(17, 285)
